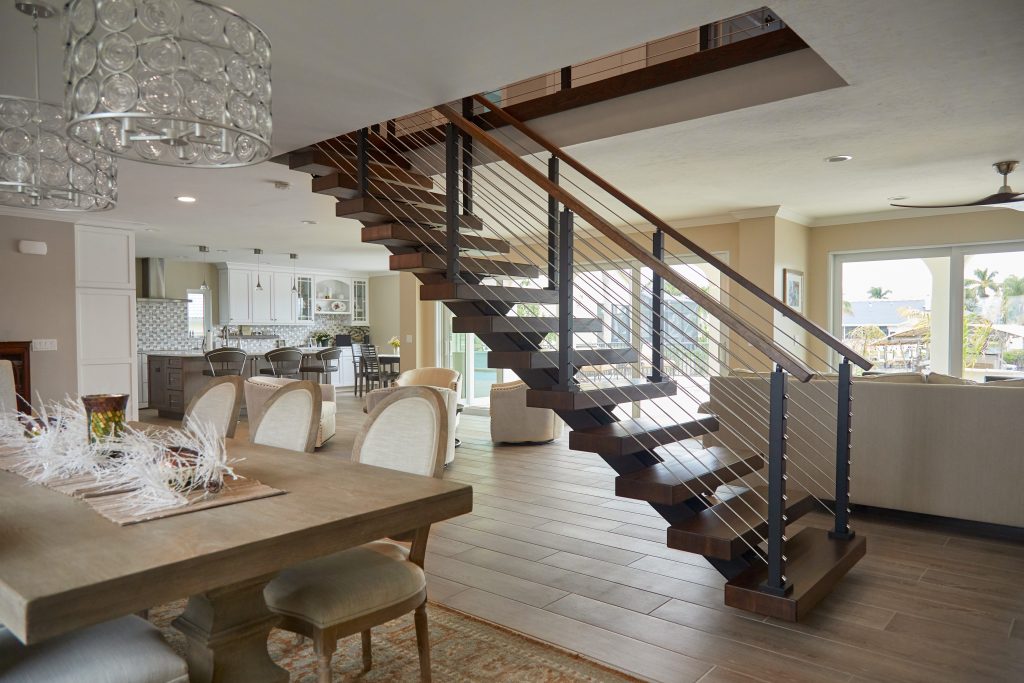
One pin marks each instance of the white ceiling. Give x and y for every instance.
(934, 98)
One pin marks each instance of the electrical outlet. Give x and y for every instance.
(44, 344)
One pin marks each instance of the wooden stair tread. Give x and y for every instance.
(637, 435)
(724, 531)
(815, 564)
(675, 481)
(421, 262)
(556, 399)
(501, 324)
(403, 235)
(373, 210)
(319, 163)
(446, 291)
(377, 148)
(346, 186)
(548, 360)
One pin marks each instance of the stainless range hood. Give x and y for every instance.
(154, 283)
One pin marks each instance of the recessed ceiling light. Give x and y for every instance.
(186, 199)
(838, 157)
(897, 198)
(309, 222)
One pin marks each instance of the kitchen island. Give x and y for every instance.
(176, 376)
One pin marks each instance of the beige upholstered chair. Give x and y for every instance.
(431, 377)
(451, 400)
(8, 396)
(354, 590)
(217, 404)
(512, 421)
(125, 650)
(259, 389)
(289, 419)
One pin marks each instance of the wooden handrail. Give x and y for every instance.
(808, 325)
(751, 335)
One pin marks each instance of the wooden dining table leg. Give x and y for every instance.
(226, 630)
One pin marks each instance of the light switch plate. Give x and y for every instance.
(44, 344)
(408, 339)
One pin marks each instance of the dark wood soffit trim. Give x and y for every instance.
(682, 68)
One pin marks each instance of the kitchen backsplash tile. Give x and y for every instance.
(163, 326)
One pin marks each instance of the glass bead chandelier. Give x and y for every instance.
(40, 168)
(173, 82)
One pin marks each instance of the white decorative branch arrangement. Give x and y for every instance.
(151, 470)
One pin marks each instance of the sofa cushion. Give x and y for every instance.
(894, 378)
(939, 378)
(1005, 383)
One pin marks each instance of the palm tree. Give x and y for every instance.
(878, 293)
(1012, 305)
(982, 282)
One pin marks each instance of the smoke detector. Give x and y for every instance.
(281, 184)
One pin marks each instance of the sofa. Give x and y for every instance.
(930, 444)
(451, 402)
(512, 421)
(259, 389)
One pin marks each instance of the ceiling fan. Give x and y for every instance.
(1005, 195)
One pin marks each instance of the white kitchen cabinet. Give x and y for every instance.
(284, 310)
(262, 298)
(360, 302)
(235, 296)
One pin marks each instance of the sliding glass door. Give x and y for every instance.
(952, 310)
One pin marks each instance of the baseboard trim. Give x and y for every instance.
(1000, 532)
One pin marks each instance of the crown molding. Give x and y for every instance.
(895, 215)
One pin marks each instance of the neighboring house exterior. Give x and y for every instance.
(887, 315)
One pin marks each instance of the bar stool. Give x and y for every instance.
(229, 361)
(324, 367)
(284, 362)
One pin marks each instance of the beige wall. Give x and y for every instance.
(181, 276)
(37, 300)
(998, 225)
(385, 309)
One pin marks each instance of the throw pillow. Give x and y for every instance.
(939, 378)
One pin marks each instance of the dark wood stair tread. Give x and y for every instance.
(637, 435)
(595, 398)
(724, 531)
(346, 186)
(548, 360)
(501, 324)
(377, 148)
(403, 235)
(675, 481)
(446, 291)
(421, 262)
(373, 210)
(815, 564)
(319, 163)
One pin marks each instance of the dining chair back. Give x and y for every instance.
(284, 362)
(225, 361)
(373, 375)
(357, 369)
(216, 405)
(408, 431)
(289, 419)
(322, 364)
(8, 393)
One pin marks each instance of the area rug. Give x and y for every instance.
(462, 649)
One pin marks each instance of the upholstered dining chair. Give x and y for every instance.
(8, 394)
(290, 418)
(216, 404)
(352, 591)
(125, 650)
(431, 377)
(225, 361)
(284, 362)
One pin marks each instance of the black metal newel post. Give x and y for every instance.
(451, 204)
(362, 162)
(844, 431)
(566, 376)
(777, 584)
(657, 286)
(467, 160)
(552, 226)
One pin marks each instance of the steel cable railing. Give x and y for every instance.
(799, 467)
(404, 210)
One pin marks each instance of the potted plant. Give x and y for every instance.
(322, 338)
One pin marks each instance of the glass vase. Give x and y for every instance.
(105, 414)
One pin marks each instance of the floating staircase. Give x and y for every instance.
(659, 461)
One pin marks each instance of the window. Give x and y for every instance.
(198, 313)
(952, 310)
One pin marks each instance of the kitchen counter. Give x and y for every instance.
(174, 354)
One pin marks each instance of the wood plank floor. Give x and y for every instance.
(550, 552)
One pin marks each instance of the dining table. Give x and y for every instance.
(64, 567)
